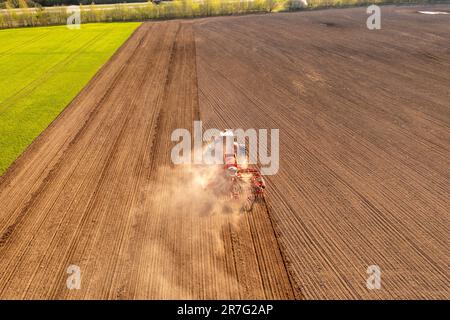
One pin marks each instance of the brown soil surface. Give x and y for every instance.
(364, 157)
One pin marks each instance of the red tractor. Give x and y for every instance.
(245, 181)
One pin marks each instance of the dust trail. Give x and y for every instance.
(191, 208)
(208, 191)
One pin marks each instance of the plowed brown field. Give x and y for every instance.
(364, 119)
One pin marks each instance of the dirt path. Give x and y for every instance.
(364, 130)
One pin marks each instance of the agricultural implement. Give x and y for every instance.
(245, 182)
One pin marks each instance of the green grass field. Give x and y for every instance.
(42, 70)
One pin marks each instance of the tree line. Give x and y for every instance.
(50, 3)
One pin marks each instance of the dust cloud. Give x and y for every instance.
(196, 202)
